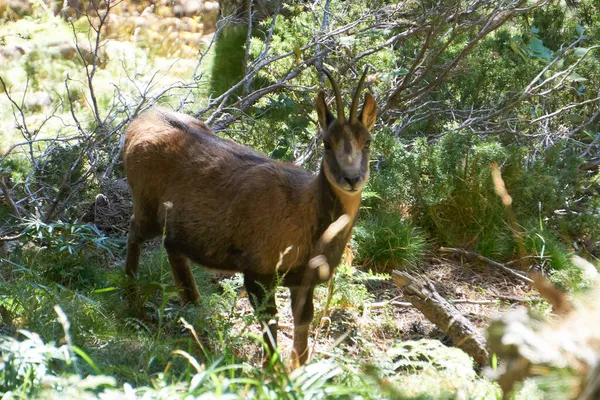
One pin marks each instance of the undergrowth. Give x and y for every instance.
(429, 194)
(173, 351)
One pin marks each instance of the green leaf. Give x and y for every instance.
(575, 77)
(576, 118)
(279, 153)
(375, 33)
(399, 72)
(104, 290)
(579, 29)
(86, 358)
(538, 50)
(297, 54)
(589, 134)
(515, 45)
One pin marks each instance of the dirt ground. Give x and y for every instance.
(481, 292)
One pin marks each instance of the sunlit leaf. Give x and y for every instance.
(347, 40)
(106, 289)
(537, 49)
(575, 77)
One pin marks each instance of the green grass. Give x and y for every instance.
(386, 241)
(159, 355)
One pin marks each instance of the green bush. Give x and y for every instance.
(228, 67)
(446, 187)
(386, 241)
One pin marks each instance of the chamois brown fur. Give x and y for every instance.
(228, 207)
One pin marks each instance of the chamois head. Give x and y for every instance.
(347, 142)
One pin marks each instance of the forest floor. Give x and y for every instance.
(477, 291)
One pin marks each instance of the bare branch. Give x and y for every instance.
(493, 263)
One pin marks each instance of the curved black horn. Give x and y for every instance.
(338, 97)
(354, 106)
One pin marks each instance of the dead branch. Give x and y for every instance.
(394, 302)
(488, 261)
(11, 238)
(444, 315)
(8, 199)
(427, 60)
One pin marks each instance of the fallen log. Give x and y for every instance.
(424, 296)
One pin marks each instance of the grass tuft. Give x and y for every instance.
(386, 241)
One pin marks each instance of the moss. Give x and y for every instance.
(427, 369)
(228, 62)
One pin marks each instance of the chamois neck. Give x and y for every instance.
(334, 202)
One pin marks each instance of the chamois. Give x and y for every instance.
(230, 208)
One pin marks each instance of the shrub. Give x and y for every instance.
(386, 241)
(446, 187)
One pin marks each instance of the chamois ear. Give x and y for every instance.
(325, 116)
(368, 115)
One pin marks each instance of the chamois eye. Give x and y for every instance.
(368, 144)
(326, 145)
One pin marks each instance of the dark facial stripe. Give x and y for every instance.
(347, 145)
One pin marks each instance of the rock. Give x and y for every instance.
(12, 52)
(169, 11)
(141, 22)
(178, 11)
(193, 40)
(117, 50)
(117, 26)
(211, 7)
(37, 100)
(19, 7)
(589, 272)
(190, 24)
(62, 50)
(170, 24)
(173, 40)
(72, 9)
(192, 7)
(210, 14)
(54, 5)
(148, 10)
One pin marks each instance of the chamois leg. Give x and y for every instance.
(140, 230)
(134, 245)
(303, 312)
(184, 278)
(135, 238)
(261, 291)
